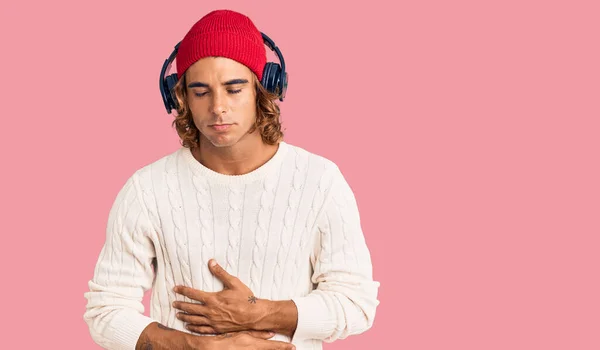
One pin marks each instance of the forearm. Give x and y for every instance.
(157, 337)
(335, 313)
(278, 316)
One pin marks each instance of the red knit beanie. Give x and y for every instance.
(223, 33)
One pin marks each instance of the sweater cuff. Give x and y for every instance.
(314, 318)
(128, 326)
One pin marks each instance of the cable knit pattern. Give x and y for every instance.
(203, 199)
(318, 198)
(267, 198)
(236, 200)
(179, 232)
(148, 201)
(173, 215)
(289, 220)
(291, 229)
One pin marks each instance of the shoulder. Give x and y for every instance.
(315, 170)
(313, 162)
(149, 179)
(156, 169)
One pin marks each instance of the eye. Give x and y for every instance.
(200, 94)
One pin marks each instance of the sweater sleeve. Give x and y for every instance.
(345, 299)
(114, 311)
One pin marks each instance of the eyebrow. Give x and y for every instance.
(229, 82)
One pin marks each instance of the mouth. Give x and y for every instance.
(220, 127)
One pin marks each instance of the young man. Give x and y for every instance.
(247, 242)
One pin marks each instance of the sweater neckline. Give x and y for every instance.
(256, 174)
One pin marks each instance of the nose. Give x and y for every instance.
(218, 104)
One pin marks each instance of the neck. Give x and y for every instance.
(246, 155)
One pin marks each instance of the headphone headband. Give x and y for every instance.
(274, 80)
(271, 45)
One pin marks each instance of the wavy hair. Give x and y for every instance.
(267, 116)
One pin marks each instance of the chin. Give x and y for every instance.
(227, 139)
(223, 144)
(221, 141)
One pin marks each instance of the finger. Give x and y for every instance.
(195, 320)
(191, 308)
(192, 293)
(228, 280)
(261, 334)
(275, 345)
(201, 329)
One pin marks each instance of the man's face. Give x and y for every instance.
(222, 99)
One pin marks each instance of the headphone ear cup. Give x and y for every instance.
(170, 82)
(271, 76)
(284, 84)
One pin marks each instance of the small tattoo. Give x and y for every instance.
(161, 326)
(147, 346)
(252, 299)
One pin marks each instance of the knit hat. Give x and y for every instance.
(223, 33)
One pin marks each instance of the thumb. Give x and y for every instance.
(220, 273)
(261, 334)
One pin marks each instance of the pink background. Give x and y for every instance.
(469, 131)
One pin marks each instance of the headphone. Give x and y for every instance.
(274, 76)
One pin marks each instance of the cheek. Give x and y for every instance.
(195, 103)
(247, 106)
(198, 110)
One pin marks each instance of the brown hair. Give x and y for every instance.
(267, 116)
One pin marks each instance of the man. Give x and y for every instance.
(247, 242)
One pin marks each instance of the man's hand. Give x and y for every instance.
(235, 308)
(158, 337)
(245, 340)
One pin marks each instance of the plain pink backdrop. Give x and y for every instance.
(469, 131)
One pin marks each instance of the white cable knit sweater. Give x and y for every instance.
(289, 230)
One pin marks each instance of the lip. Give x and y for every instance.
(220, 127)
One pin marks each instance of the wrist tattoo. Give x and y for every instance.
(161, 326)
(252, 299)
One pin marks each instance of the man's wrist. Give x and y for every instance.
(192, 341)
(279, 316)
(157, 336)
